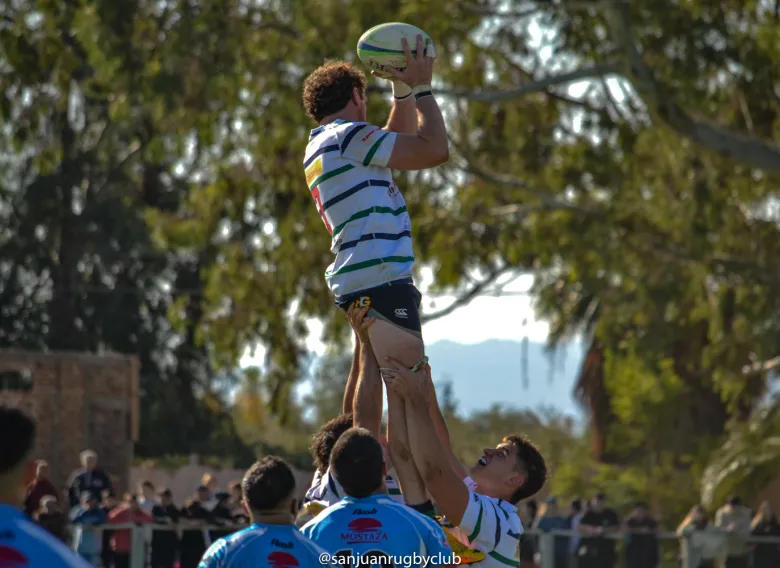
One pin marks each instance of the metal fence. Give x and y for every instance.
(671, 547)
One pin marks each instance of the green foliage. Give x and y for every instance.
(152, 199)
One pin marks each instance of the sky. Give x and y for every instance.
(486, 317)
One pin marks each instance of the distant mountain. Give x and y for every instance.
(491, 372)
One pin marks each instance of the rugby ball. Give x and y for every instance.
(380, 47)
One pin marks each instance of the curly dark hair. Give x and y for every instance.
(530, 461)
(323, 441)
(267, 483)
(329, 88)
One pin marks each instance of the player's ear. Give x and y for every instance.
(515, 481)
(294, 508)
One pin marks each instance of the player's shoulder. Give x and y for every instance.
(42, 547)
(324, 518)
(222, 549)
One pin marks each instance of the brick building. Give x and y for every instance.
(80, 401)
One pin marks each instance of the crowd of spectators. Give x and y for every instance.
(82, 517)
(78, 516)
(723, 542)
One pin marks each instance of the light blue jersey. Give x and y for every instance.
(271, 546)
(23, 544)
(379, 527)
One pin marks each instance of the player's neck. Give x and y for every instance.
(273, 518)
(348, 114)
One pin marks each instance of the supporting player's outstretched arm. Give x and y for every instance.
(443, 483)
(409, 478)
(440, 425)
(354, 371)
(367, 407)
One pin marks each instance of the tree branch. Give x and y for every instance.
(532, 87)
(464, 299)
(761, 367)
(657, 96)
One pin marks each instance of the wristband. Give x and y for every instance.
(421, 91)
(401, 90)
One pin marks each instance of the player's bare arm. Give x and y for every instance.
(367, 407)
(428, 145)
(403, 114)
(444, 484)
(440, 424)
(354, 371)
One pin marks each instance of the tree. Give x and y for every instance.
(327, 387)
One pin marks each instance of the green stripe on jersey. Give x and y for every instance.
(477, 525)
(365, 213)
(394, 491)
(503, 559)
(369, 264)
(327, 175)
(374, 149)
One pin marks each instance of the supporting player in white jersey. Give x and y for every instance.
(347, 165)
(481, 503)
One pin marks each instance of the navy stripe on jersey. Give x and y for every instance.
(350, 135)
(320, 152)
(353, 190)
(498, 526)
(316, 131)
(373, 236)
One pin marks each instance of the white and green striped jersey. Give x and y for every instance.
(493, 527)
(326, 490)
(362, 208)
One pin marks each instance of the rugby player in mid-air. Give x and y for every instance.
(268, 491)
(348, 165)
(367, 527)
(480, 502)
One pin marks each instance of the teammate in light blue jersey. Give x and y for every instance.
(23, 544)
(367, 524)
(272, 540)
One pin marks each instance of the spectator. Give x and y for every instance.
(90, 478)
(148, 499)
(165, 543)
(735, 520)
(38, 488)
(575, 515)
(704, 545)
(50, 516)
(107, 504)
(195, 539)
(121, 542)
(209, 481)
(221, 517)
(549, 519)
(236, 504)
(597, 550)
(88, 537)
(765, 554)
(527, 513)
(641, 540)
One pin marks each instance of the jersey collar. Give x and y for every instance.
(324, 127)
(369, 499)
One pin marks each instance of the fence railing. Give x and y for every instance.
(674, 549)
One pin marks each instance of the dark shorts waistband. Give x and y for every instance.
(346, 297)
